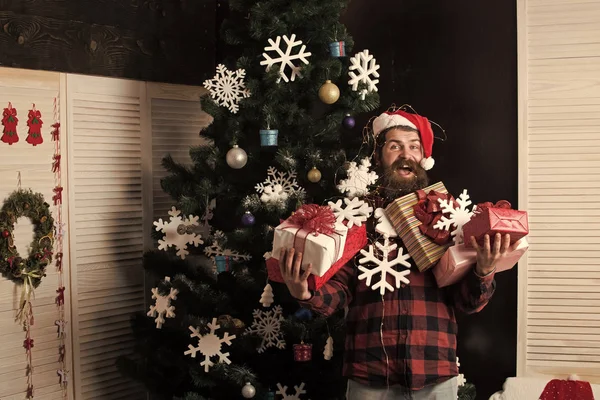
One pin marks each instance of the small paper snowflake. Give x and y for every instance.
(384, 266)
(162, 308)
(178, 232)
(283, 391)
(267, 325)
(356, 211)
(366, 66)
(384, 226)
(359, 179)
(209, 345)
(227, 88)
(459, 216)
(215, 249)
(286, 57)
(278, 187)
(461, 381)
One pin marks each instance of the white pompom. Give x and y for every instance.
(427, 163)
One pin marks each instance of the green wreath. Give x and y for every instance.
(29, 271)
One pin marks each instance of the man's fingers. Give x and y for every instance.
(282, 261)
(497, 244)
(289, 259)
(474, 244)
(486, 244)
(297, 265)
(305, 274)
(505, 243)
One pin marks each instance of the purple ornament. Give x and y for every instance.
(248, 219)
(349, 122)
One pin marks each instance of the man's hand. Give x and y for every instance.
(295, 280)
(488, 256)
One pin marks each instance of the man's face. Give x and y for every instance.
(400, 158)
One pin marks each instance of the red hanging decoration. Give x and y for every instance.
(34, 122)
(58, 259)
(28, 343)
(61, 353)
(10, 121)
(302, 352)
(60, 299)
(57, 198)
(56, 163)
(55, 131)
(29, 394)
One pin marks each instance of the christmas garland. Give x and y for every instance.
(29, 271)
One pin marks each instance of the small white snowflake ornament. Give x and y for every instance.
(162, 308)
(285, 57)
(209, 345)
(458, 216)
(215, 249)
(178, 232)
(296, 396)
(384, 226)
(366, 71)
(384, 266)
(328, 352)
(227, 88)
(266, 299)
(359, 179)
(355, 211)
(267, 325)
(461, 381)
(278, 187)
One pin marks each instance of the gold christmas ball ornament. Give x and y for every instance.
(329, 92)
(43, 219)
(314, 175)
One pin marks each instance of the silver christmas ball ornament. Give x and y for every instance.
(236, 157)
(248, 391)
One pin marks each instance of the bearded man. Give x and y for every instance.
(400, 345)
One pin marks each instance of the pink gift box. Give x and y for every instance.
(458, 260)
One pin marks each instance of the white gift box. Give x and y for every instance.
(318, 250)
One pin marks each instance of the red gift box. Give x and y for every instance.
(499, 218)
(355, 241)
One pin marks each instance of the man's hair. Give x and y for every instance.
(381, 138)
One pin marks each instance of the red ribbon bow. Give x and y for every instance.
(488, 204)
(314, 218)
(10, 112)
(34, 114)
(429, 211)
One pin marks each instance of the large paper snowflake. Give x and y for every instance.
(367, 67)
(209, 345)
(267, 325)
(278, 187)
(459, 216)
(162, 308)
(283, 391)
(178, 232)
(359, 179)
(356, 211)
(384, 266)
(384, 225)
(286, 57)
(215, 249)
(227, 88)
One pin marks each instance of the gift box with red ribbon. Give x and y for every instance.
(458, 260)
(325, 244)
(496, 218)
(413, 216)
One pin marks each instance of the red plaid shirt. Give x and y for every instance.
(408, 337)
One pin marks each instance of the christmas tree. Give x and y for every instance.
(283, 134)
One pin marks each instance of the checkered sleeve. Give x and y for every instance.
(333, 295)
(473, 292)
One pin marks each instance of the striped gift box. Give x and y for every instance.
(423, 250)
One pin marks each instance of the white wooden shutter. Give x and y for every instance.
(22, 88)
(106, 124)
(559, 112)
(177, 119)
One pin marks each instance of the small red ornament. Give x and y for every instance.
(29, 394)
(28, 343)
(10, 121)
(302, 352)
(56, 131)
(60, 299)
(56, 163)
(57, 198)
(5, 233)
(34, 122)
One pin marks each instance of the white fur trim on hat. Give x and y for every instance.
(385, 121)
(427, 163)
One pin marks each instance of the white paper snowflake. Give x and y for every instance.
(359, 179)
(366, 66)
(162, 308)
(384, 226)
(215, 249)
(286, 57)
(227, 88)
(356, 211)
(384, 266)
(283, 391)
(267, 325)
(209, 345)
(460, 379)
(459, 216)
(178, 232)
(278, 187)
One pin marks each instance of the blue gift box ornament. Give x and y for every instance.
(338, 49)
(268, 137)
(222, 263)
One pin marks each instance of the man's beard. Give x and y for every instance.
(396, 185)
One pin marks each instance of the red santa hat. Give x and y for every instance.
(402, 118)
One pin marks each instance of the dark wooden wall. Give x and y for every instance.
(456, 63)
(156, 40)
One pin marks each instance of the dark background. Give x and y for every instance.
(454, 62)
